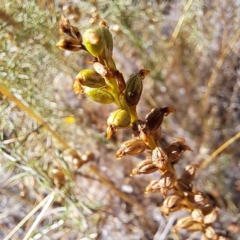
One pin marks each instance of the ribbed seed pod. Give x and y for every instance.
(189, 172)
(93, 41)
(133, 89)
(154, 119)
(189, 224)
(172, 202)
(159, 158)
(175, 150)
(120, 119)
(131, 147)
(144, 167)
(166, 182)
(100, 95)
(69, 30)
(108, 40)
(90, 78)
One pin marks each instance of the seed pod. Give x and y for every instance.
(108, 40)
(154, 119)
(166, 182)
(189, 172)
(175, 150)
(184, 185)
(118, 119)
(166, 210)
(133, 89)
(69, 30)
(210, 233)
(153, 187)
(100, 95)
(197, 215)
(93, 41)
(69, 44)
(197, 199)
(90, 78)
(144, 167)
(210, 217)
(159, 158)
(173, 202)
(189, 224)
(131, 147)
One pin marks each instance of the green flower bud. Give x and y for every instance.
(100, 95)
(90, 78)
(93, 41)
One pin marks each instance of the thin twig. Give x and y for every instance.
(42, 203)
(180, 23)
(219, 150)
(218, 66)
(39, 218)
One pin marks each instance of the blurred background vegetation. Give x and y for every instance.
(192, 49)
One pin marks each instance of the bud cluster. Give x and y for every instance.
(104, 84)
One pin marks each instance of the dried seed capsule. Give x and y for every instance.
(184, 185)
(154, 119)
(93, 41)
(144, 167)
(69, 30)
(197, 215)
(173, 203)
(210, 233)
(197, 199)
(100, 95)
(175, 150)
(134, 87)
(90, 78)
(69, 44)
(210, 217)
(166, 210)
(166, 182)
(153, 187)
(189, 224)
(131, 147)
(159, 158)
(189, 172)
(118, 119)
